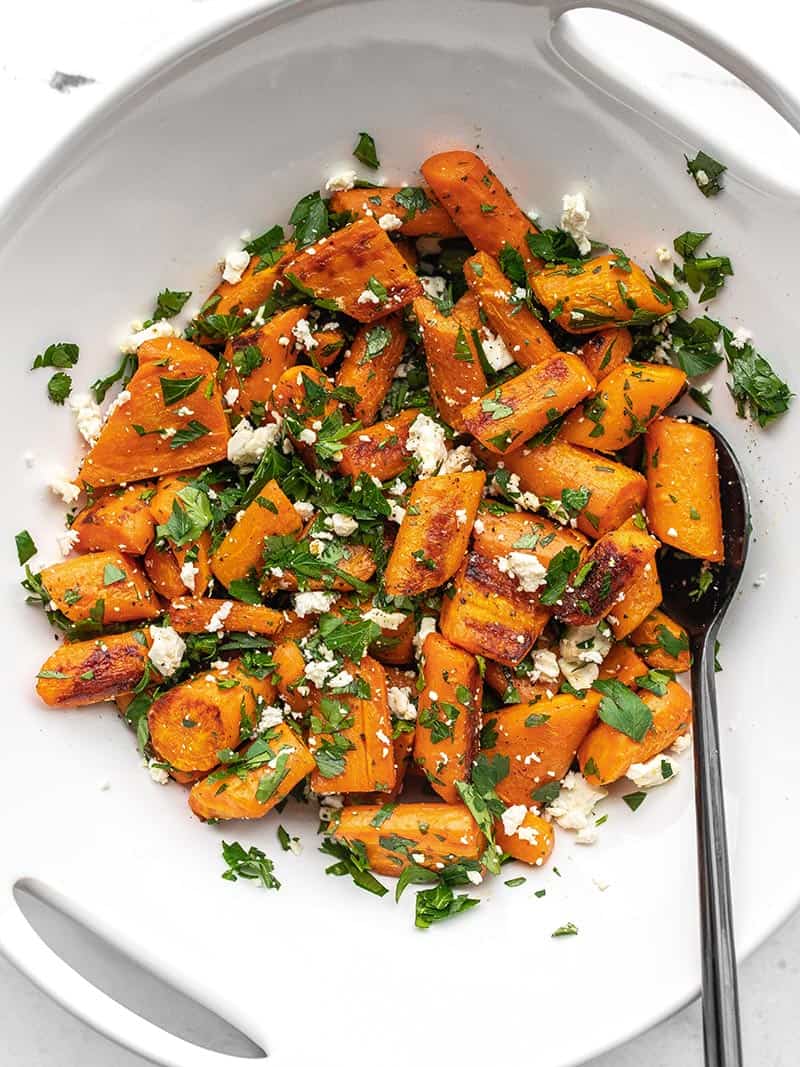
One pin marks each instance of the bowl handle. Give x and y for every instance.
(23, 947)
(719, 31)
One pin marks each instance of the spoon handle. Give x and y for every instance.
(721, 1029)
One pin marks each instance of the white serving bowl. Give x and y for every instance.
(224, 135)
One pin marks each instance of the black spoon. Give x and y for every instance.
(702, 616)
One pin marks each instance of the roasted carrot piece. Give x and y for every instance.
(509, 414)
(256, 284)
(641, 597)
(370, 364)
(622, 663)
(164, 573)
(611, 568)
(356, 561)
(683, 499)
(395, 646)
(662, 642)
(329, 343)
(166, 493)
(434, 534)
(191, 615)
(88, 672)
(449, 718)
(169, 350)
(378, 450)
(605, 350)
(118, 520)
(478, 203)
(489, 614)
(606, 754)
(521, 531)
(545, 735)
(421, 215)
(77, 586)
(241, 552)
(617, 492)
(289, 670)
(454, 370)
(408, 250)
(255, 360)
(147, 436)
(628, 399)
(603, 294)
(358, 268)
(294, 627)
(430, 835)
(191, 722)
(532, 841)
(273, 765)
(523, 333)
(350, 737)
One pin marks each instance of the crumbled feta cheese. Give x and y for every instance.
(307, 436)
(575, 217)
(368, 297)
(270, 716)
(457, 460)
(120, 400)
(390, 222)
(601, 884)
(159, 774)
(328, 804)
(573, 808)
(231, 396)
(545, 664)
(88, 416)
(495, 350)
(397, 514)
(343, 525)
(650, 774)
(341, 182)
(513, 818)
(67, 541)
(67, 490)
(398, 487)
(304, 508)
(682, 743)
(527, 569)
(301, 332)
(166, 650)
(189, 572)
(426, 443)
(461, 516)
(475, 877)
(216, 624)
(340, 680)
(701, 177)
(427, 626)
(479, 526)
(664, 255)
(672, 532)
(236, 263)
(434, 286)
(312, 603)
(741, 337)
(401, 703)
(317, 671)
(387, 620)
(161, 328)
(247, 445)
(583, 649)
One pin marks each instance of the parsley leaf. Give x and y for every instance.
(483, 802)
(350, 634)
(192, 432)
(366, 152)
(622, 709)
(567, 930)
(191, 514)
(310, 220)
(168, 303)
(59, 387)
(440, 903)
(412, 199)
(113, 574)
(558, 572)
(635, 800)
(377, 340)
(671, 644)
(62, 354)
(754, 385)
(26, 547)
(352, 859)
(513, 265)
(707, 173)
(175, 389)
(554, 246)
(252, 864)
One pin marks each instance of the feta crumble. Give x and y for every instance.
(312, 603)
(434, 286)
(166, 650)
(341, 182)
(527, 569)
(387, 620)
(368, 297)
(426, 442)
(390, 222)
(458, 459)
(137, 336)
(575, 217)
(650, 774)
(582, 650)
(301, 332)
(573, 808)
(88, 416)
(401, 703)
(67, 490)
(495, 350)
(216, 624)
(741, 337)
(427, 626)
(343, 525)
(189, 572)
(236, 263)
(231, 396)
(160, 775)
(66, 541)
(247, 445)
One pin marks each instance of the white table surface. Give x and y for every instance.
(102, 41)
